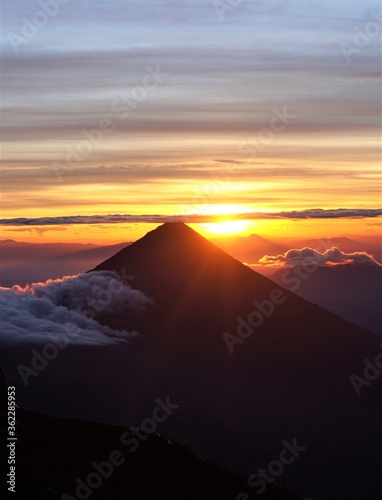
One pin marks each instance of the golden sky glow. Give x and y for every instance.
(242, 227)
(117, 233)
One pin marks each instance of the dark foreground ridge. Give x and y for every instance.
(53, 452)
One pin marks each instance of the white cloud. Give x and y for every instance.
(68, 307)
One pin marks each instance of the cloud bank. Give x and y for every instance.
(333, 256)
(316, 213)
(67, 308)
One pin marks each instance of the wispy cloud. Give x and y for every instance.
(316, 213)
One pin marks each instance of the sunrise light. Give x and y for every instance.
(228, 227)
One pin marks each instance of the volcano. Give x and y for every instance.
(246, 368)
(248, 364)
(209, 305)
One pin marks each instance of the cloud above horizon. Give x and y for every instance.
(331, 257)
(316, 213)
(68, 308)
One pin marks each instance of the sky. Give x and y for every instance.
(183, 108)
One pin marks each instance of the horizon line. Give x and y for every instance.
(316, 213)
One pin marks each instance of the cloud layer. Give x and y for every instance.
(191, 217)
(331, 257)
(67, 309)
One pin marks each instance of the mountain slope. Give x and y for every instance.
(353, 291)
(248, 248)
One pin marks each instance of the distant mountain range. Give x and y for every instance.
(353, 291)
(248, 363)
(250, 249)
(23, 263)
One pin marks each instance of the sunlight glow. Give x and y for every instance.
(225, 209)
(228, 227)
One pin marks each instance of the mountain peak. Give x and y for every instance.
(183, 272)
(173, 228)
(173, 225)
(170, 234)
(202, 296)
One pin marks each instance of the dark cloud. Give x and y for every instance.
(333, 256)
(67, 308)
(316, 213)
(319, 213)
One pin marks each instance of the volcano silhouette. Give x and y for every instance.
(200, 292)
(239, 394)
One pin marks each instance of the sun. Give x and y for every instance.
(228, 227)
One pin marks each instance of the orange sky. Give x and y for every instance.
(116, 233)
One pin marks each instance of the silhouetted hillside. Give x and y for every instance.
(53, 452)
